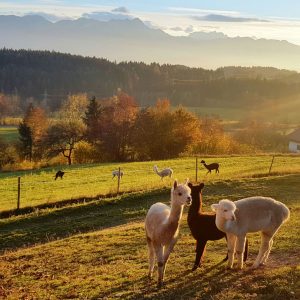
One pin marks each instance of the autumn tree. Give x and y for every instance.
(116, 123)
(62, 137)
(74, 107)
(31, 131)
(161, 133)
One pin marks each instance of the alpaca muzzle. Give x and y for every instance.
(189, 201)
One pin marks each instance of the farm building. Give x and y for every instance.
(294, 141)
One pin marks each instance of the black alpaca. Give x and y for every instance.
(59, 174)
(210, 167)
(203, 225)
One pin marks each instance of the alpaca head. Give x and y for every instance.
(225, 209)
(196, 190)
(181, 194)
(202, 161)
(155, 167)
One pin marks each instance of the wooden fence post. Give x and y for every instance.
(271, 164)
(196, 169)
(19, 192)
(119, 176)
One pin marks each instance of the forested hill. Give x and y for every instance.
(52, 75)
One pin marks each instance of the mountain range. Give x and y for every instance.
(132, 40)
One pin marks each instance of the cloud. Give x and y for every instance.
(223, 18)
(121, 9)
(119, 13)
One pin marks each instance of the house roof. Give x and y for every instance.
(295, 135)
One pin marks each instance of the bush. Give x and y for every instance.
(85, 153)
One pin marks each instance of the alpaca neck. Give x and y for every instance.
(175, 216)
(196, 206)
(156, 171)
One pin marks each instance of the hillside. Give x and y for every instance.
(50, 77)
(96, 251)
(132, 40)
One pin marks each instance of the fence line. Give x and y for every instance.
(26, 184)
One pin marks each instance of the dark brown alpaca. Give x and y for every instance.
(203, 225)
(210, 167)
(59, 174)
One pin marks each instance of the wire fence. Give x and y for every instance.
(36, 188)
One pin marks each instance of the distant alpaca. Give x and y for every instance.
(116, 173)
(162, 228)
(163, 173)
(251, 214)
(203, 225)
(210, 167)
(59, 174)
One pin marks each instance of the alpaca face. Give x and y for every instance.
(182, 194)
(225, 209)
(196, 190)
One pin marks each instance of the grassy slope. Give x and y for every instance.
(98, 250)
(9, 133)
(39, 187)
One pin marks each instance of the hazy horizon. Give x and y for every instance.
(269, 20)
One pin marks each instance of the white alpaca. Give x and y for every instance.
(162, 227)
(163, 173)
(116, 173)
(251, 214)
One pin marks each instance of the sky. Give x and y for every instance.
(271, 19)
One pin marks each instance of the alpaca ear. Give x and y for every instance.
(201, 185)
(214, 207)
(175, 184)
(186, 181)
(190, 185)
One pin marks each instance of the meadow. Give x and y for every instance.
(9, 133)
(95, 181)
(97, 250)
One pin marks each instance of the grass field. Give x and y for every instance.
(39, 187)
(9, 133)
(97, 250)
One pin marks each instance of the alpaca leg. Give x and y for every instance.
(240, 248)
(231, 241)
(266, 256)
(199, 253)
(167, 253)
(264, 247)
(151, 257)
(159, 250)
(246, 250)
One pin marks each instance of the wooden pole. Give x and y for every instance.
(196, 169)
(119, 176)
(271, 164)
(19, 192)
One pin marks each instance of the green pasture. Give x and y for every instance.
(95, 180)
(97, 250)
(9, 133)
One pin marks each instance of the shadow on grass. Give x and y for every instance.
(47, 225)
(200, 284)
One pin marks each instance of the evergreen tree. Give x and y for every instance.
(92, 120)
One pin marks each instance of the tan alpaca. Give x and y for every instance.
(251, 214)
(162, 228)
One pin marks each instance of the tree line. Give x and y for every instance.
(88, 130)
(46, 78)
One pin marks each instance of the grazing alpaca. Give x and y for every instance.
(163, 173)
(162, 228)
(59, 174)
(210, 167)
(251, 214)
(116, 173)
(203, 225)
